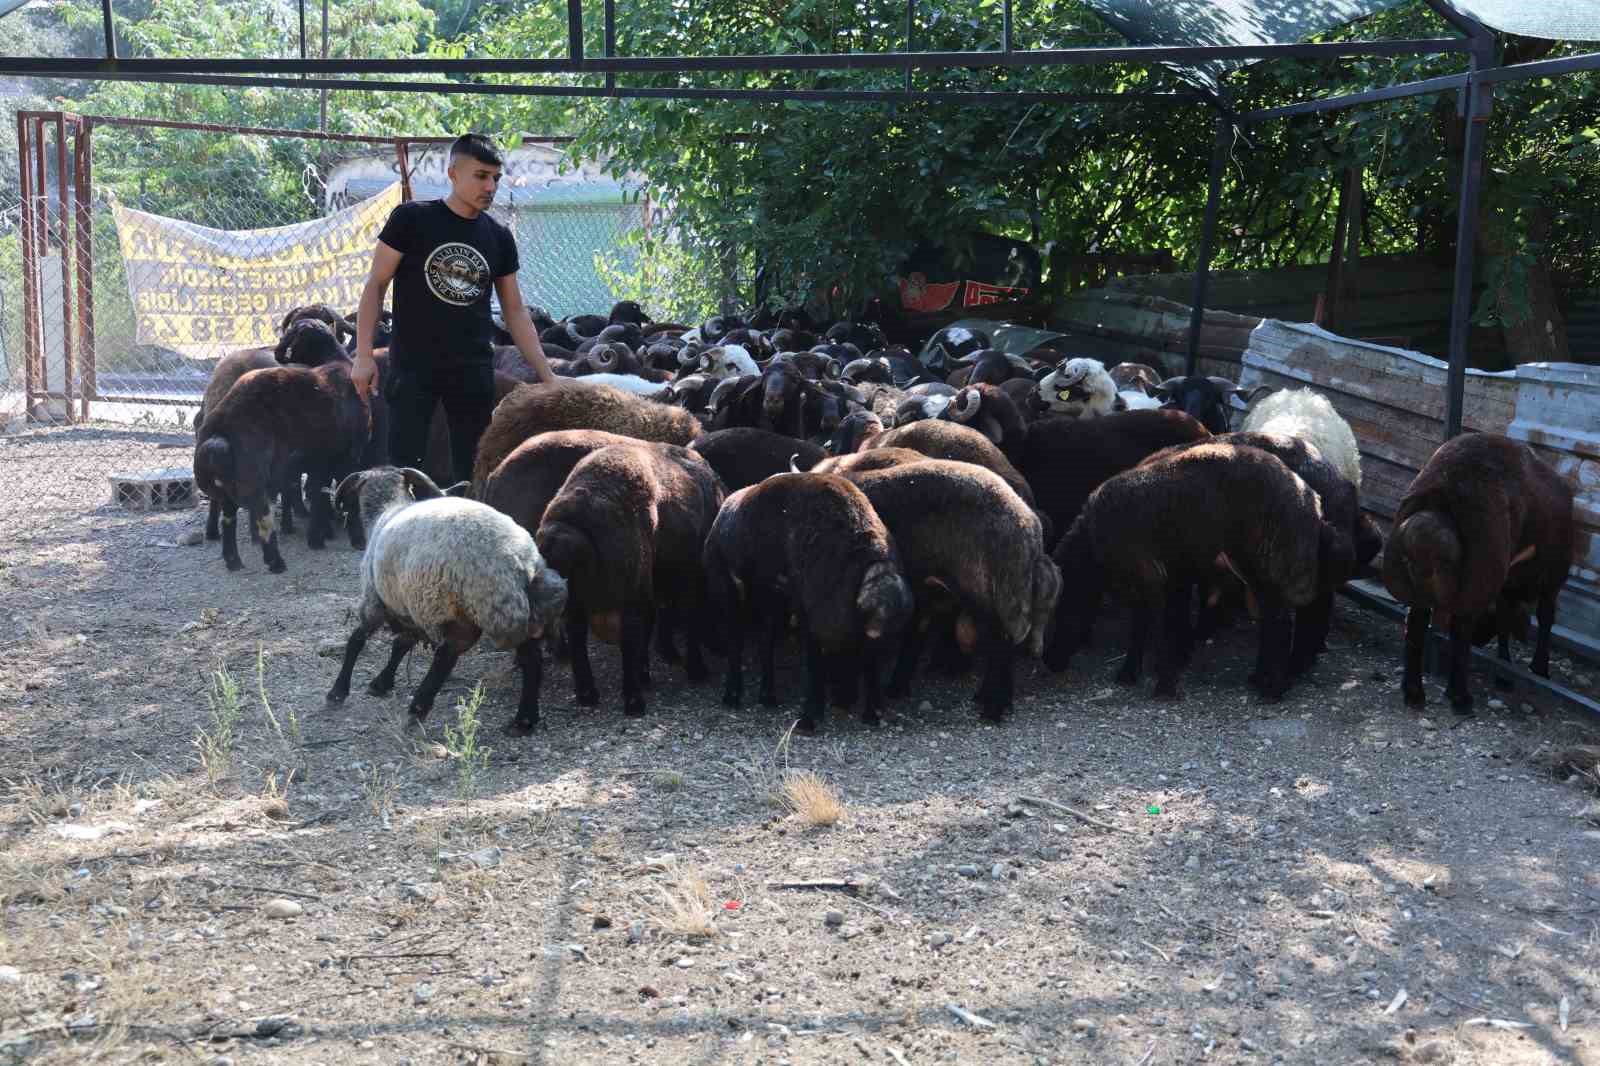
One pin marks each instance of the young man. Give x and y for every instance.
(443, 256)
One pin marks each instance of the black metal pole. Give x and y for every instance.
(575, 30)
(611, 41)
(111, 36)
(322, 102)
(911, 35)
(1005, 26)
(1208, 237)
(1477, 101)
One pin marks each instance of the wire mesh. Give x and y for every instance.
(199, 242)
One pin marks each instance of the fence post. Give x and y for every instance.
(69, 362)
(84, 226)
(31, 357)
(403, 161)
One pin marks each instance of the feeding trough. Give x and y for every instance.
(168, 489)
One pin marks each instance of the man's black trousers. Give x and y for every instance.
(467, 393)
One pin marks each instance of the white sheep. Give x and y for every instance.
(1082, 388)
(446, 571)
(650, 390)
(1309, 416)
(728, 361)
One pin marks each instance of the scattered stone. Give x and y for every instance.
(684, 962)
(997, 872)
(602, 922)
(282, 908)
(422, 994)
(849, 932)
(485, 858)
(220, 1060)
(925, 707)
(193, 539)
(1050, 853)
(939, 939)
(10, 975)
(1192, 862)
(1432, 1051)
(1085, 1026)
(833, 919)
(649, 992)
(636, 931)
(330, 649)
(967, 869)
(1497, 704)
(424, 893)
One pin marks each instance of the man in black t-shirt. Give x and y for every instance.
(444, 256)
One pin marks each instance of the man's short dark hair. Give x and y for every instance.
(478, 147)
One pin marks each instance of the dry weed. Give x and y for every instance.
(811, 798)
(23, 881)
(687, 907)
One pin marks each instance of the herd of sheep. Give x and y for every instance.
(688, 488)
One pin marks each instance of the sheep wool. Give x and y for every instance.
(1309, 416)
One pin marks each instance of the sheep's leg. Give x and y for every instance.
(666, 622)
(1417, 619)
(1457, 690)
(844, 678)
(774, 613)
(383, 682)
(873, 699)
(1311, 624)
(733, 682)
(995, 691)
(947, 653)
(352, 652)
(694, 663)
(815, 706)
(1504, 682)
(286, 507)
(635, 657)
(1271, 677)
(230, 534)
(261, 519)
(319, 527)
(905, 665)
(583, 684)
(531, 660)
(1178, 627)
(1133, 661)
(1541, 647)
(213, 515)
(444, 661)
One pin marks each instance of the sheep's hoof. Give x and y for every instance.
(995, 715)
(336, 695)
(380, 686)
(1460, 702)
(897, 690)
(633, 708)
(1414, 696)
(519, 728)
(416, 721)
(1504, 684)
(1167, 692)
(358, 543)
(769, 699)
(1127, 676)
(807, 727)
(316, 544)
(696, 672)
(870, 718)
(234, 564)
(277, 566)
(587, 697)
(213, 533)
(731, 699)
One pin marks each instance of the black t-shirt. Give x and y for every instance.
(441, 291)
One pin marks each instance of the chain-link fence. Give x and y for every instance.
(141, 254)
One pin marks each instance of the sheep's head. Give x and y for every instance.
(727, 361)
(547, 600)
(309, 342)
(624, 332)
(1078, 388)
(1206, 399)
(951, 344)
(584, 327)
(884, 600)
(629, 311)
(853, 432)
(363, 496)
(1422, 562)
(612, 357)
(868, 370)
(342, 327)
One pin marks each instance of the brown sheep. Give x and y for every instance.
(627, 530)
(744, 455)
(532, 409)
(1485, 527)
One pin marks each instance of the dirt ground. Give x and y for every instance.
(1333, 879)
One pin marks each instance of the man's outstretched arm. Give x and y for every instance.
(385, 261)
(520, 326)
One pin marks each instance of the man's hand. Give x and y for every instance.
(364, 374)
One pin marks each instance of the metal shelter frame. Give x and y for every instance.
(1474, 89)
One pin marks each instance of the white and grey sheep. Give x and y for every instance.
(1309, 416)
(446, 571)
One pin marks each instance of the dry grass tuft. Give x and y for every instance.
(28, 882)
(687, 907)
(811, 798)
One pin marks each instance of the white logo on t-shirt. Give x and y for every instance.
(457, 273)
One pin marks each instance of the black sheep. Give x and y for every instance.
(1167, 524)
(744, 455)
(810, 544)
